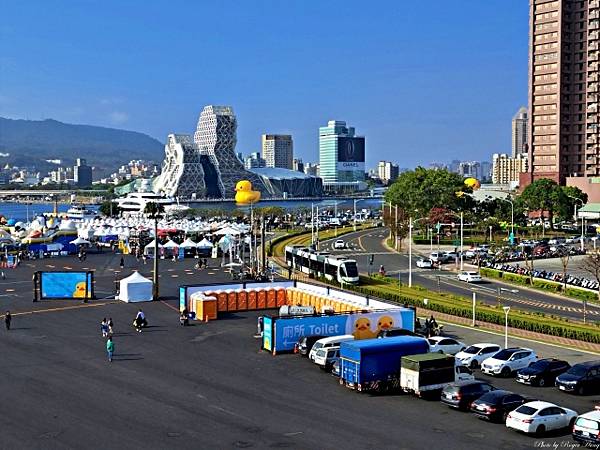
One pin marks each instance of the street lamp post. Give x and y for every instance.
(506, 310)
(474, 303)
(461, 241)
(582, 220)
(512, 216)
(354, 228)
(410, 252)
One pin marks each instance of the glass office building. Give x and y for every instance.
(341, 157)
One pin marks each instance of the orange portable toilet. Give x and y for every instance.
(271, 298)
(205, 307)
(261, 299)
(231, 300)
(242, 300)
(281, 297)
(291, 294)
(221, 301)
(252, 298)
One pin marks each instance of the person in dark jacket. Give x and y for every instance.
(7, 320)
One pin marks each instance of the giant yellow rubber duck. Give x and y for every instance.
(244, 195)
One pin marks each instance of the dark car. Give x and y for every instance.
(582, 378)
(305, 344)
(397, 332)
(542, 372)
(461, 394)
(496, 405)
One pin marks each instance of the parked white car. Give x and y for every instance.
(539, 417)
(469, 277)
(424, 263)
(339, 244)
(508, 361)
(325, 357)
(475, 354)
(441, 344)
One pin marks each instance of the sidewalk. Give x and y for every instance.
(514, 332)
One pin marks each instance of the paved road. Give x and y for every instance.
(364, 243)
(208, 386)
(205, 386)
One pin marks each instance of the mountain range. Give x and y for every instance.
(27, 143)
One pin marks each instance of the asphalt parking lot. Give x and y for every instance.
(209, 386)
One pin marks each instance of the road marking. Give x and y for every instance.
(64, 308)
(9, 290)
(174, 276)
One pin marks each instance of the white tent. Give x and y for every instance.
(80, 241)
(171, 244)
(188, 243)
(149, 249)
(227, 230)
(204, 243)
(135, 288)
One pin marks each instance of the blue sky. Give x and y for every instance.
(423, 81)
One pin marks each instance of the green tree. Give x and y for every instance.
(546, 196)
(422, 189)
(109, 209)
(572, 196)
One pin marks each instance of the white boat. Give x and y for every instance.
(80, 212)
(137, 201)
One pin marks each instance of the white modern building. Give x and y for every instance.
(278, 150)
(216, 138)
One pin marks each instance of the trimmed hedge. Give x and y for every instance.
(538, 283)
(461, 307)
(425, 241)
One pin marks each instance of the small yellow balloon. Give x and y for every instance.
(473, 183)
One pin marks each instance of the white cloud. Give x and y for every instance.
(118, 117)
(107, 101)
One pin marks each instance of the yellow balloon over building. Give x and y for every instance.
(473, 183)
(244, 195)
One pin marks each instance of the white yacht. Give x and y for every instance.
(137, 201)
(80, 212)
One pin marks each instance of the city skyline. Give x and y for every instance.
(389, 81)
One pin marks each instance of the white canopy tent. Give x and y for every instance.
(204, 243)
(149, 249)
(80, 241)
(188, 243)
(227, 230)
(170, 244)
(135, 288)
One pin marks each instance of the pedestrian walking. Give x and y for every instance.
(110, 326)
(3, 275)
(289, 272)
(144, 258)
(110, 348)
(104, 327)
(7, 320)
(122, 263)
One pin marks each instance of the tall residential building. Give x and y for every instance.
(254, 161)
(278, 150)
(564, 38)
(82, 173)
(506, 170)
(519, 132)
(486, 171)
(387, 171)
(341, 157)
(470, 169)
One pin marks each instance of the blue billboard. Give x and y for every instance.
(284, 332)
(66, 285)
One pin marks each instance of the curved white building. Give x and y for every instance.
(216, 138)
(182, 174)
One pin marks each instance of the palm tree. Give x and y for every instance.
(155, 211)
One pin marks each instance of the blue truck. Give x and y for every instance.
(374, 364)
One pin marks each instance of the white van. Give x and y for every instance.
(332, 341)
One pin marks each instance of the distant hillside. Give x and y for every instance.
(30, 142)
